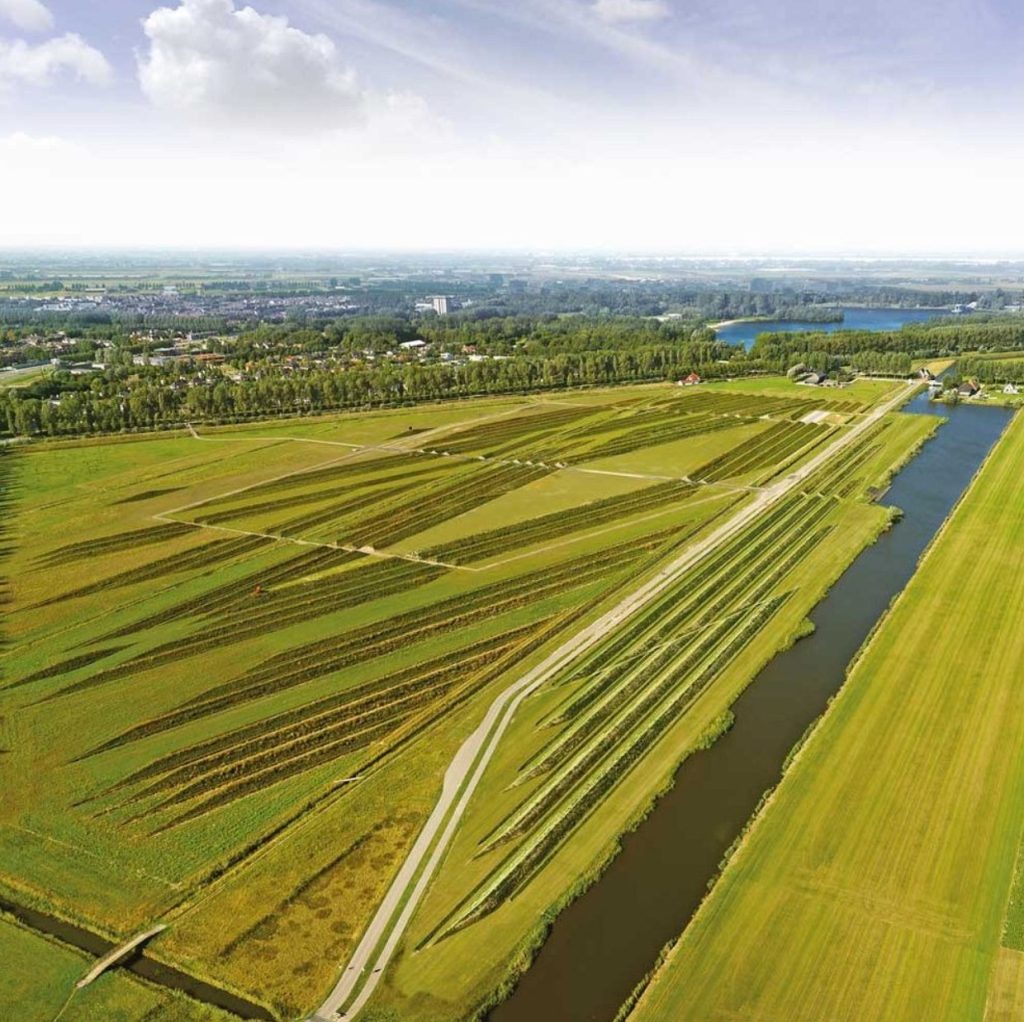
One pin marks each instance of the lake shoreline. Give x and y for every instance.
(744, 331)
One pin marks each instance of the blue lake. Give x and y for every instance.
(854, 319)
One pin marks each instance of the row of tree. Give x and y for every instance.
(919, 340)
(115, 401)
(527, 354)
(993, 370)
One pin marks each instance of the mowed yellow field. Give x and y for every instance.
(875, 884)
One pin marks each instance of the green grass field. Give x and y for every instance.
(934, 365)
(877, 882)
(227, 654)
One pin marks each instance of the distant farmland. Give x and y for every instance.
(239, 662)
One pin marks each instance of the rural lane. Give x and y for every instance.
(467, 768)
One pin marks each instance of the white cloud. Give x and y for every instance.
(22, 63)
(217, 62)
(28, 15)
(631, 10)
(20, 142)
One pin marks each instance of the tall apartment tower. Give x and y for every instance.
(440, 303)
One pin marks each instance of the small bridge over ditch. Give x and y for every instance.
(113, 957)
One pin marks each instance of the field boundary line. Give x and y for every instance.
(279, 439)
(64, 1007)
(394, 448)
(253, 486)
(396, 440)
(734, 487)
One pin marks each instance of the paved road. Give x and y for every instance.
(470, 762)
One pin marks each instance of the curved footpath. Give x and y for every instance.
(356, 985)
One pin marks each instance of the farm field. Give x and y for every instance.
(882, 880)
(227, 652)
(24, 377)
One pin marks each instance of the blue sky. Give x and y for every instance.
(684, 125)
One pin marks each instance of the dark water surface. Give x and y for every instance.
(606, 941)
(136, 962)
(854, 319)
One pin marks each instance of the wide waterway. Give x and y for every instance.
(603, 944)
(744, 332)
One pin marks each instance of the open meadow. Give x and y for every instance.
(882, 880)
(239, 661)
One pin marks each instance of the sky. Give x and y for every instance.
(639, 126)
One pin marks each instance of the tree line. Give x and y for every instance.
(521, 354)
(993, 370)
(117, 400)
(918, 340)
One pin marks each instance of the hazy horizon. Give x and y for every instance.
(779, 259)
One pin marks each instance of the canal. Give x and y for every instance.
(603, 944)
